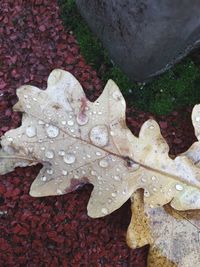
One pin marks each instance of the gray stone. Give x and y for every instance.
(144, 37)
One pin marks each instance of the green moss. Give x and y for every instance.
(178, 87)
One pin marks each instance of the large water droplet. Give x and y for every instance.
(52, 131)
(49, 154)
(104, 211)
(99, 135)
(103, 163)
(31, 131)
(82, 119)
(69, 158)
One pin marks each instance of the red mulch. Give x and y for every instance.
(56, 231)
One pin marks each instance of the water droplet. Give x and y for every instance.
(34, 99)
(154, 189)
(63, 122)
(179, 187)
(10, 139)
(88, 156)
(104, 211)
(99, 135)
(103, 163)
(151, 127)
(82, 119)
(76, 176)
(113, 194)
(146, 193)
(125, 191)
(117, 178)
(31, 131)
(64, 172)
(69, 158)
(44, 178)
(41, 122)
(61, 152)
(116, 95)
(93, 172)
(143, 179)
(49, 171)
(112, 133)
(98, 153)
(28, 106)
(153, 178)
(58, 191)
(52, 131)
(25, 96)
(197, 119)
(70, 122)
(42, 148)
(49, 154)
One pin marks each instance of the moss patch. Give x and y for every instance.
(177, 88)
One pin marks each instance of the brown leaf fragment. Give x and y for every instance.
(173, 236)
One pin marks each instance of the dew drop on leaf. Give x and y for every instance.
(116, 96)
(103, 163)
(49, 154)
(113, 194)
(197, 119)
(82, 119)
(117, 178)
(10, 139)
(52, 131)
(179, 187)
(70, 122)
(99, 135)
(146, 193)
(61, 152)
(49, 171)
(58, 191)
(104, 211)
(69, 158)
(44, 178)
(31, 131)
(64, 172)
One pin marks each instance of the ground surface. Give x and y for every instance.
(56, 231)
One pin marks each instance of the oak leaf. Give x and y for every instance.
(174, 236)
(79, 141)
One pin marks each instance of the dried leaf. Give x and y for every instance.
(79, 141)
(173, 236)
